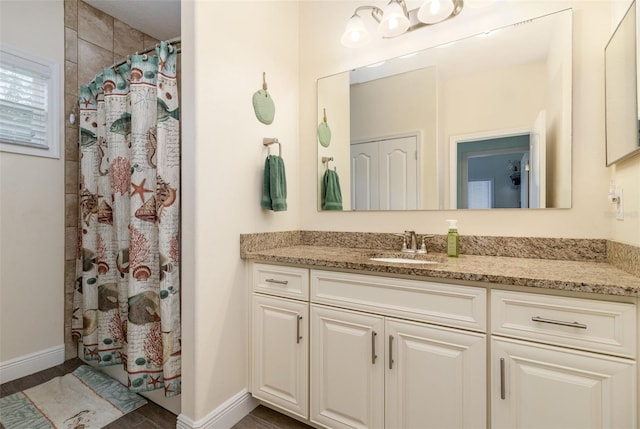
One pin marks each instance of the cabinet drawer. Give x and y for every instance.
(450, 305)
(601, 326)
(282, 281)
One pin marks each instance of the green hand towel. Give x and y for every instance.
(331, 195)
(274, 185)
(278, 184)
(265, 201)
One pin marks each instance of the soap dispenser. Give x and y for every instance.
(453, 240)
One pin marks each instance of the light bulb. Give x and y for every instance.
(433, 11)
(355, 34)
(394, 21)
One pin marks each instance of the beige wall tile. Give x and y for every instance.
(149, 42)
(127, 40)
(70, 103)
(71, 177)
(71, 14)
(71, 78)
(69, 277)
(71, 209)
(95, 26)
(71, 142)
(70, 345)
(71, 45)
(91, 60)
(71, 238)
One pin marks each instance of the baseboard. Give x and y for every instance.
(31, 363)
(224, 416)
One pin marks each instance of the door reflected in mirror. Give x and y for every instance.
(414, 132)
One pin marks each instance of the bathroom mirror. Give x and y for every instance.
(481, 122)
(621, 90)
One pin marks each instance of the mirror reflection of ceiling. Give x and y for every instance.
(513, 80)
(476, 54)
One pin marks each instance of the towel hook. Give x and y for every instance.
(266, 141)
(326, 160)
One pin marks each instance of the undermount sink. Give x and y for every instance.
(403, 261)
(405, 258)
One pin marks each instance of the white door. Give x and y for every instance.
(280, 353)
(538, 162)
(398, 174)
(384, 174)
(538, 386)
(347, 369)
(365, 192)
(435, 377)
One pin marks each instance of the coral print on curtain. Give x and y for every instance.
(127, 298)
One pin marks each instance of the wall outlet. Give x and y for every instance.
(619, 205)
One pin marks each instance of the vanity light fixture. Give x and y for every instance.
(395, 20)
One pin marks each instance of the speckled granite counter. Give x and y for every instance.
(566, 275)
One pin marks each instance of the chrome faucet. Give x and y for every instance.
(412, 245)
(413, 242)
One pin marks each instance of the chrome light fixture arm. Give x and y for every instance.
(398, 20)
(376, 12)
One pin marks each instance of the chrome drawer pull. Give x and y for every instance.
(298, 336)
(558, 322)
(280, 282)
(373, 347)
(503, 388)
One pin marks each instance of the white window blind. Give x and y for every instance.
(27, 91)
(479, 194)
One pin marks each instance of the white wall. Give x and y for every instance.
(226, 47)
(32, 206)
(590, 216)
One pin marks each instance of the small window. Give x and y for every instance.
(29, 97)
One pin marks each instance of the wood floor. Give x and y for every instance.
(151, 416)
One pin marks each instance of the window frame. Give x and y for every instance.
(54, 110)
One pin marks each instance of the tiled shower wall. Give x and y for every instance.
(93, 40)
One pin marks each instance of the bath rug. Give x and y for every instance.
(83, 399)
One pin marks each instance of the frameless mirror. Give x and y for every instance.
(621, 90)
(482, 122)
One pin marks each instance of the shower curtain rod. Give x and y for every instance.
(174, 41)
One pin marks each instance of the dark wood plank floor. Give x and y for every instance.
(265, 418)
(151, 415)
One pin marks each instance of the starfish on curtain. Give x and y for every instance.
(140, 189)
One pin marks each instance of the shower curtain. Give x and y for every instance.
(127, 296)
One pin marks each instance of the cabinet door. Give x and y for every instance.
(280, 353)
(539, 386)
(347, 369)
(435, 377)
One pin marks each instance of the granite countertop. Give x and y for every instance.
(576, 276)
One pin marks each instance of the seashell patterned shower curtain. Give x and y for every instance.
(127, 296)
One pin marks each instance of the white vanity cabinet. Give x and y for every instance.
(552, 363)
(345, 350)
(371, 369)
(280, 337)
